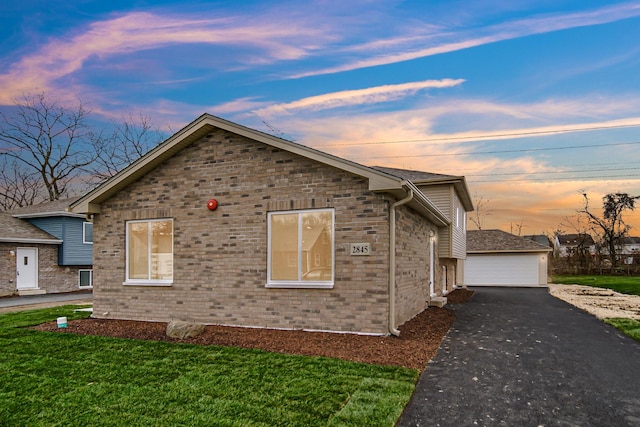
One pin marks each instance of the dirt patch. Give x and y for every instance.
(417, 344)
(602, 303)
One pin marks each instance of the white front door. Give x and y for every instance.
(27, 268)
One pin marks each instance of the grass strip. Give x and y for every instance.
(70, 380)
(624, 284)
(629, 327)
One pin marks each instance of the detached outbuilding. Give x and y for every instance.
(222, 224)
(498, 258)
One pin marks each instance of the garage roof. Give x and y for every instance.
(498, 241)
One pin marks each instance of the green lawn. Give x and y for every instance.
(623, 284)
(69, 380)
(629, 327)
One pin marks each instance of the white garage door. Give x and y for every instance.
(501, 270)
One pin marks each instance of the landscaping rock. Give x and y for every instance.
(181, 330)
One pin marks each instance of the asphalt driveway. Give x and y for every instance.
(520, 357)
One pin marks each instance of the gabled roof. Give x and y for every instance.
(575, 239)
(14, 230)
(46, 209)
(379, 181)
(631, 241)
(498, 241)
(428, 178)
(540, 238)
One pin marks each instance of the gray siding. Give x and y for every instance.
(441, 196)
(458, 230)
(68, 229)
(452, 240)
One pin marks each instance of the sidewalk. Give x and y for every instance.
(520, 357)
(30, 302)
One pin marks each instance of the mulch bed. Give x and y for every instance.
(418, 342)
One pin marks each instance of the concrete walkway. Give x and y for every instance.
(520, 357)
(16, 303)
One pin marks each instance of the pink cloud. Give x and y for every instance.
(143, 31)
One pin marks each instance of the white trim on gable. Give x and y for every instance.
(378, 181)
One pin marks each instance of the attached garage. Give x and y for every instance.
(497, 258)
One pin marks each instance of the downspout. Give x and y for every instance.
(392, 262)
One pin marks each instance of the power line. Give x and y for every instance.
(589, 178)
(487, 137)
(551, 172)
(556, 166)
(524, 150)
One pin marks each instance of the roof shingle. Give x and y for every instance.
(479, 241)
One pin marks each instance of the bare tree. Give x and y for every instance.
(611, 223)
(126, 143)
(47, 140)
(17, 187)
(517, 227)
(480, 212)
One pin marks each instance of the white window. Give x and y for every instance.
(87, 233)
(85, 278)
(150, 252)
(464, 220)
(300, 249)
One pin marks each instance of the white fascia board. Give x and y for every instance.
(31, 241)
(48, 215)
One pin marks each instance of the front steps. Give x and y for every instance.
(438, 302)
(34, 291)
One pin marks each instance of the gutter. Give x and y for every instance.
(30, 241)
(392, 261)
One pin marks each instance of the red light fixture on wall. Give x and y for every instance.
(212, 204)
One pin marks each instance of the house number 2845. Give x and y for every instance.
(360, 249)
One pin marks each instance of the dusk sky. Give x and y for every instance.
(535, 102)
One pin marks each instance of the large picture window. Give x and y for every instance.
(301, 249)
(150, 252)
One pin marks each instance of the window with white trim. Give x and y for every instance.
(87, 233)
(301, 249)
(150, 252)
(85, 278)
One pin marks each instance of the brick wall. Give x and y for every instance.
(55, 278)
(220, 257)
(452, 273)
(412, 264)
(8, 266)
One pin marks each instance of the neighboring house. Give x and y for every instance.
(540, 238)
(498, 258)
(46, 250)
(575, 244)
(630, 250)
(222, 224)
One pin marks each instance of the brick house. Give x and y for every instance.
(222, 224)
(45, 249)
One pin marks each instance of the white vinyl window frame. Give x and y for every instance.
(302, 284)
(80, 274)
(85, 239)
(147, 282)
